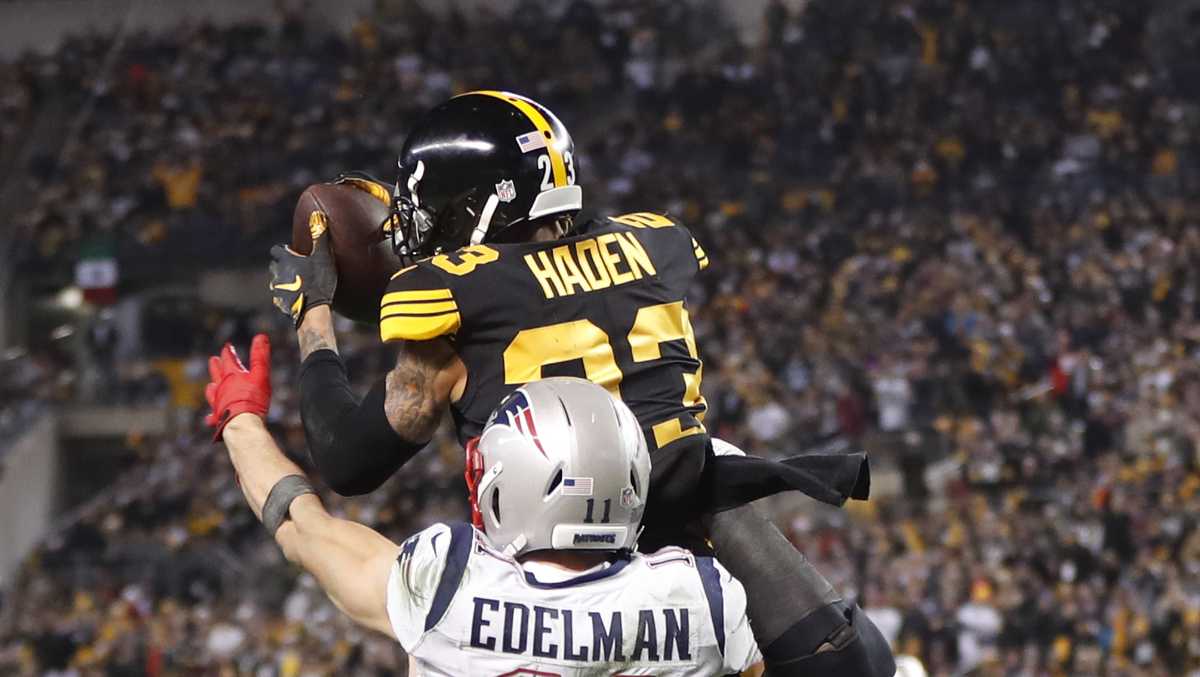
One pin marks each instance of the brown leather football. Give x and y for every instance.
(363, 252)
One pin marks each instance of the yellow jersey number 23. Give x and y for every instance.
(533, 349)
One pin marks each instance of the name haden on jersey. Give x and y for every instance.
(606, 304)
(590, 265)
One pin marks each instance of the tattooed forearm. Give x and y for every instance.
(316, 332)
(416, 388)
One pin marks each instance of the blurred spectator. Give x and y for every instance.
(967, 235)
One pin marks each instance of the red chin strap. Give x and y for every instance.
(472, 474)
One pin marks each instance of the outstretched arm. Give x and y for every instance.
(351, 562)
(357, 444)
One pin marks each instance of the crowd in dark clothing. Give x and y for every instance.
(964, 236)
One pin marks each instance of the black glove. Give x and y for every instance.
(301, 282)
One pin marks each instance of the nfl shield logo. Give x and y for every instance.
(506, 191)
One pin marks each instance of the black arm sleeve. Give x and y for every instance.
(350, 442)
(802, 625)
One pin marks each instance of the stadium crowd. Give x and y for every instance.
(965, 238)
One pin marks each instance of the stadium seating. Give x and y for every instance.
(967, 238)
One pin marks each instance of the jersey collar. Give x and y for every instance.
(620, 561)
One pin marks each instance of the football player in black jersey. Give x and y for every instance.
(502, 288)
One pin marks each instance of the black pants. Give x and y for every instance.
(677, 473)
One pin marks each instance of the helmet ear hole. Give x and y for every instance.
(558, 478)
(496, 505)
(634, 482)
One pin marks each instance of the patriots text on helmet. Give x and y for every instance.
(595, 538)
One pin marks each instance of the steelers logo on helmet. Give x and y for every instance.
(478, 166)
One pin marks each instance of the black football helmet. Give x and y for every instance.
(476, 166)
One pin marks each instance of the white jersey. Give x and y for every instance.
(459, 607)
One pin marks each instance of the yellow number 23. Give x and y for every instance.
(532, 349)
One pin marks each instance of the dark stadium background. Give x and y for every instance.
(965, 235)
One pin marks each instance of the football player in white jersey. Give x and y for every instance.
(478, 313)
(545, 582)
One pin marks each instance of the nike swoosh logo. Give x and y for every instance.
(294, 285)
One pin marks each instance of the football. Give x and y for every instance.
(363, 252)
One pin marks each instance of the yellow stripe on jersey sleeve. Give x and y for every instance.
(408, 296)
(418, 327)
(418, 314)
(418, 308)
(701, 257)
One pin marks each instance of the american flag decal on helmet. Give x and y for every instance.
(518, 413)
(531, 142)
(577, 486)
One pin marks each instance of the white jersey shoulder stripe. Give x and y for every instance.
(462, 538)
(715, 594)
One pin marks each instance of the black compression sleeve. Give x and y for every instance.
(350, 442)
(800, 621)
(782, 586)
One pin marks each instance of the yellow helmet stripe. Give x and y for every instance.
(557, 165)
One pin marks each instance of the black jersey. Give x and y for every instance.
(606, 304)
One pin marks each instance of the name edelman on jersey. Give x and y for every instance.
(596, 263)
(663, 634)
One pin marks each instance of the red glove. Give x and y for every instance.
(234, 389)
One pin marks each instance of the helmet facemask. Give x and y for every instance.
(410, 223)
(472, 217)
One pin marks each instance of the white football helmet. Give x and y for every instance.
(562, 465)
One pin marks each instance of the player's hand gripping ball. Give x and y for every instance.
(357, 212)
(300, 282)
(234, 389)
